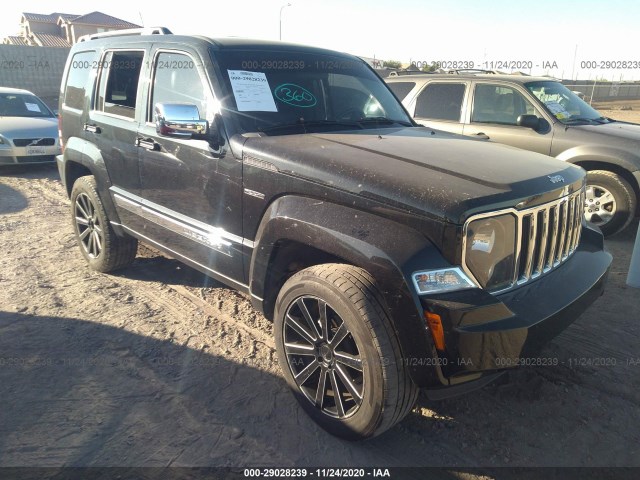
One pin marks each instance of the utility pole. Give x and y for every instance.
(573, 68)
(282, 8)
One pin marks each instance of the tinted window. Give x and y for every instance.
(401, 89)
(499, 104)
(176, 79)
(81, 66)
(119, 83)
(441, 101)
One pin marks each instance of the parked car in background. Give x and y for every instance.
(542, 115)
(28, 129)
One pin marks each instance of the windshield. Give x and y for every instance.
(290, 92)
(22, 105)
(563, 104)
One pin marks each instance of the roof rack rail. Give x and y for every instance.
(127, 32)
(470, 71)
(402, 73)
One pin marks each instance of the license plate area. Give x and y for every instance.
(36, 151)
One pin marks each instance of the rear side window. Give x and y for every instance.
(119, 83)
(401, 89)
(441, 101)
(82, 64)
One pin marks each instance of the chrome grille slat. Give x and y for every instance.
(546, 236)
(569, 223)
(554, 237)
(578, 220)
(578, 224)
(531, 247)
(516, 270)
(543, 241)
(563, 230)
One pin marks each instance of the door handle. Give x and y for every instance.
(482, 136)
(147, 143)
(92, 128)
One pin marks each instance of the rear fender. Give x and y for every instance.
(84, 158)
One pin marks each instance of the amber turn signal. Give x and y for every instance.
(437, 332)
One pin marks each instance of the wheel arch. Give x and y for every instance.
(286, 259)
(72, 172)
(299, 232)
(82, 158)
(590, 165)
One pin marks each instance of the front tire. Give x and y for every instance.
(103, 250)
(610, 203)
(339, 353)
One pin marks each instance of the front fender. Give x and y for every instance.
(596, 153)
(388, 250)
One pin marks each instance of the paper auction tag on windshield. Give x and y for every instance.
(32, 107)
(252, 91)
(558, 110)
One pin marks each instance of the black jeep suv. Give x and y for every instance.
(390, 256)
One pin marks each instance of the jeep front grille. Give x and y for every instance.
(546, 236)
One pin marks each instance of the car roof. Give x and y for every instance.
(462, 76)
(222, 44)
(15, 90)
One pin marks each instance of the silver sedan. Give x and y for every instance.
(28, 129)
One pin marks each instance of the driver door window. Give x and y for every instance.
(500, 105)
(494, 116)
(176, 80)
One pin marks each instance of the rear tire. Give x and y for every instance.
(610, 203)
(103, 250)
(351, 348)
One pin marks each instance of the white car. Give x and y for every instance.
(28, 129)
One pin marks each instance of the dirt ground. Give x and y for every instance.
(161, 366)
(613, 109)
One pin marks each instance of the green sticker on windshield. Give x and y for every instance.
(295, 95)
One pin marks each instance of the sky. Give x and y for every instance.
(554, 37)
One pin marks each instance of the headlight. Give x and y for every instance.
(442, 280)
(490, 250)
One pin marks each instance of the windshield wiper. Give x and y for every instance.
(597, 121)
(383, 120)
(310, 124)
(359, 124)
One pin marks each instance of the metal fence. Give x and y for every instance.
(605, 91)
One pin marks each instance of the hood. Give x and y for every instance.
(428, 172)
(28, 127)
(615, 134)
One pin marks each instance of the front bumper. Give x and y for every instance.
(11, 155)
(486, 333)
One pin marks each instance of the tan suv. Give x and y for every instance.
(542, 115)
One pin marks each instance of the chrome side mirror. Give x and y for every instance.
(180, 120)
